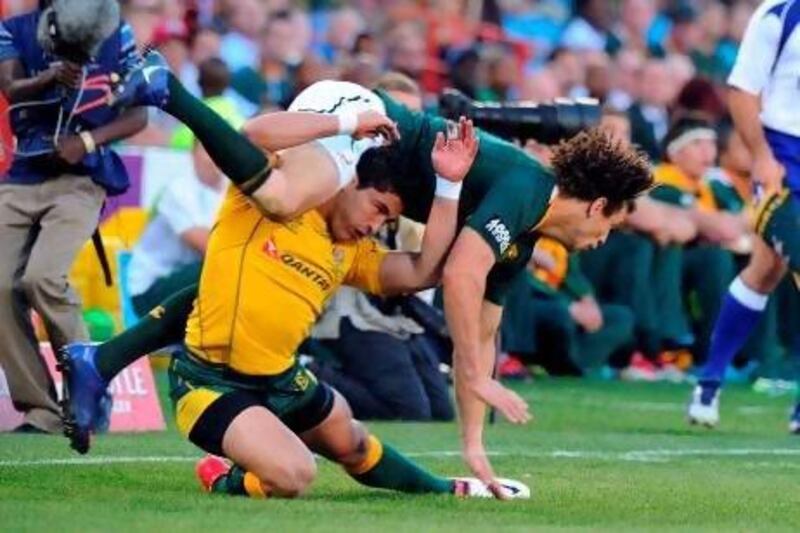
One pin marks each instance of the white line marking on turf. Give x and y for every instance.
(652, 456)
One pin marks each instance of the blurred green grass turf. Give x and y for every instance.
(612, 456)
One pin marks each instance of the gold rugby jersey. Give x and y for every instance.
(264, 284)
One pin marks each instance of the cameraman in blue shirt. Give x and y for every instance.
(58, 68)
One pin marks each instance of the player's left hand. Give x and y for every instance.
(452, 155)
(71, 149)
(373, 124)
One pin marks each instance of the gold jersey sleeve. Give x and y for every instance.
(264, 284)
(365, 272)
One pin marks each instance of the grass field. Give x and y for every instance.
(611, 456)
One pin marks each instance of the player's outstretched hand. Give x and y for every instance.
(477, 461)
(453, 154)
(508, 402)
(372, 124)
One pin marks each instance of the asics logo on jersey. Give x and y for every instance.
(499, 232)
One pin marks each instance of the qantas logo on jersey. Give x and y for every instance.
(499, 232)
(297, 265)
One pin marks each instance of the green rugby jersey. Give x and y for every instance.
(505, 194)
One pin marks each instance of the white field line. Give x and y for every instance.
(647, 456)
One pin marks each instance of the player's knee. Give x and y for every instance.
(292, 479)
(357, 450)
(765, 272)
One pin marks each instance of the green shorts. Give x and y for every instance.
(207, 398)
(778, 222)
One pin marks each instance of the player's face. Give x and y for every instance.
(592, 229)
(359, 213)
(696, 157)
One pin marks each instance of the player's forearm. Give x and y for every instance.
(463, 295)
(285, 129)
(745, 110)
(715, 227)
(471, 411)
(18, 89)
(436, 241)
(129, 123)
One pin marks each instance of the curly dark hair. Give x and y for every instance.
(592, 165)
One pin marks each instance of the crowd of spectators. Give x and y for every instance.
(640, 307)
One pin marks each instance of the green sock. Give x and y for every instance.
(395, 472)
(164, 325)
(239, 159)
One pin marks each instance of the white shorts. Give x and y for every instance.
(338, 98)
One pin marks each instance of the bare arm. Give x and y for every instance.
(720, 228)
(410, 272)
(745, 109)
(285, 129)
(18, 88)
(129, 123)
(406, 272)
(73, 149)
(464, 286)
(305, 177)
(473, 325)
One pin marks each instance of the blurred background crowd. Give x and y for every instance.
(642, 306)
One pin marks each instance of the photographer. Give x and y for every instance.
(57, 67)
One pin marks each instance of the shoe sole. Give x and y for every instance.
(78, 440)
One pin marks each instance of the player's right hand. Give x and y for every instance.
(508, 402)
(768, 172)
(477, 461)
(371, 124)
